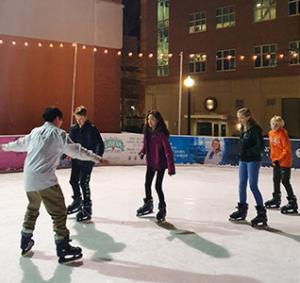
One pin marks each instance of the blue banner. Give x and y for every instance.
(218, 151)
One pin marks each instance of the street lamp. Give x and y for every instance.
(189, 83)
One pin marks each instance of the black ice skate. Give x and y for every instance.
(241, 212)
(291, 207)
(274, 202)
(261, 219)
(147, 208)
(26, 243)
(74, 206)
(67, 253)
(161, 215)
(85, 213)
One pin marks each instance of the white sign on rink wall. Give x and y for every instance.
(123, 149)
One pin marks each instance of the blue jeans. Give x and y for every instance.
(249, 170)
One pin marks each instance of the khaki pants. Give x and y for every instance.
(54, 202)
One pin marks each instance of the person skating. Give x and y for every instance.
(44, 146)
(251, 146)
(159, 157)
(281, 157)
(86, 134)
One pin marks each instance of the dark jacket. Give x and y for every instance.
(88, 136)
(251, 144)
(158, 152)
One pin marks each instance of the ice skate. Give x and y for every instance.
(67, 253)
(261, 219)
(26, 243)
(240, 214)
(274, 202)
(147, 208)
(291, 207)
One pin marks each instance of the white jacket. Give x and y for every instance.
(44, 146)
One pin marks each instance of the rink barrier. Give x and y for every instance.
(123, 149)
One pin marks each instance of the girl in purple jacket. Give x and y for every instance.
(159, 157)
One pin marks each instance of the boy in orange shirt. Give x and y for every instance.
(281, 156)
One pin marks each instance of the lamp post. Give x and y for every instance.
(189, 83)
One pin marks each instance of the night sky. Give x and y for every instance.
(131, 17)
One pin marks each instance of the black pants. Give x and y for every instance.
(80, 178)
(158, 184)
(282, 175)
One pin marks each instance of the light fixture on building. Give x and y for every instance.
(14, 43)
(294, 54)
(140, 55)
(40, 44)
(51, 45)
(281, 56)
(254, 57)
(242, 57)
(61, 45)
(74, 44)
(192, 55)
(119, 53)
(105, 51)
(130, 54)
(170, 55)
(229, 57)
(83, 47)
(151, 55)
(204, 57)
(1, 41)
(268, 56)
(26, 44)
(95, 49)
(210, 104)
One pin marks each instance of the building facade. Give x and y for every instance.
(63, 53)
(239, 53)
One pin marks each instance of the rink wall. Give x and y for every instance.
(123, 149)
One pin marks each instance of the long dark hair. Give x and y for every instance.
(161, 126)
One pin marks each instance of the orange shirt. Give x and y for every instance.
(280, 147)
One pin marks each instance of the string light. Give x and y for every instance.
(140, 55)
(61, 45)
(105, 51)
(192, 55)
(26, 43)
(119, 53)
(14, 43)
(281, 56)
(229, 57)
(295, 55)
(51, 45)
(268, 56)
(1, 41)
(83, 47)
(95, 49)
(204, 57)
(170, 55)
(151, 55)
(242, 57)
(40, 44)
(130, 54)
(74, 44)
(254, 57)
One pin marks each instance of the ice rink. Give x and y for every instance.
(196, 244)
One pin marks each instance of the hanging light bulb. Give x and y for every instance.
(61, 45)
(105, 51)
(74, 44)
(1, 41)
(140, 55)
(95, 49)
(51, 45)
(130, 54)
(170, 55)
(83, 47)
(40, 44)
(26, 44)
(151, 55)
(14, 43)
(242, 57)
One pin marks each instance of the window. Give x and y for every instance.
(225, 17)
(294, 7)
(294, 48)
(162, 38)
(197, 22)
(264, 10)
(265, 56)
(197, 63)
(226, 60)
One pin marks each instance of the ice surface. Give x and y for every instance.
(196, 244)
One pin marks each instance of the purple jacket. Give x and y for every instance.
(158, 152)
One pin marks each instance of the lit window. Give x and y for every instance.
(197, 22)
(197, 63)
(226, 60)
(225, 17)
(265, 56)
(294, 48)
(294, 7)
(264, 10)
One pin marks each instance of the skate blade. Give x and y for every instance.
(292, 213)
(238, 221)
(260, 225)
(143, 214)
(68, 261)
(161, 221)
(85, 221)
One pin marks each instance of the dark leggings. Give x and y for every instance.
(282, 175)
(158, 184)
